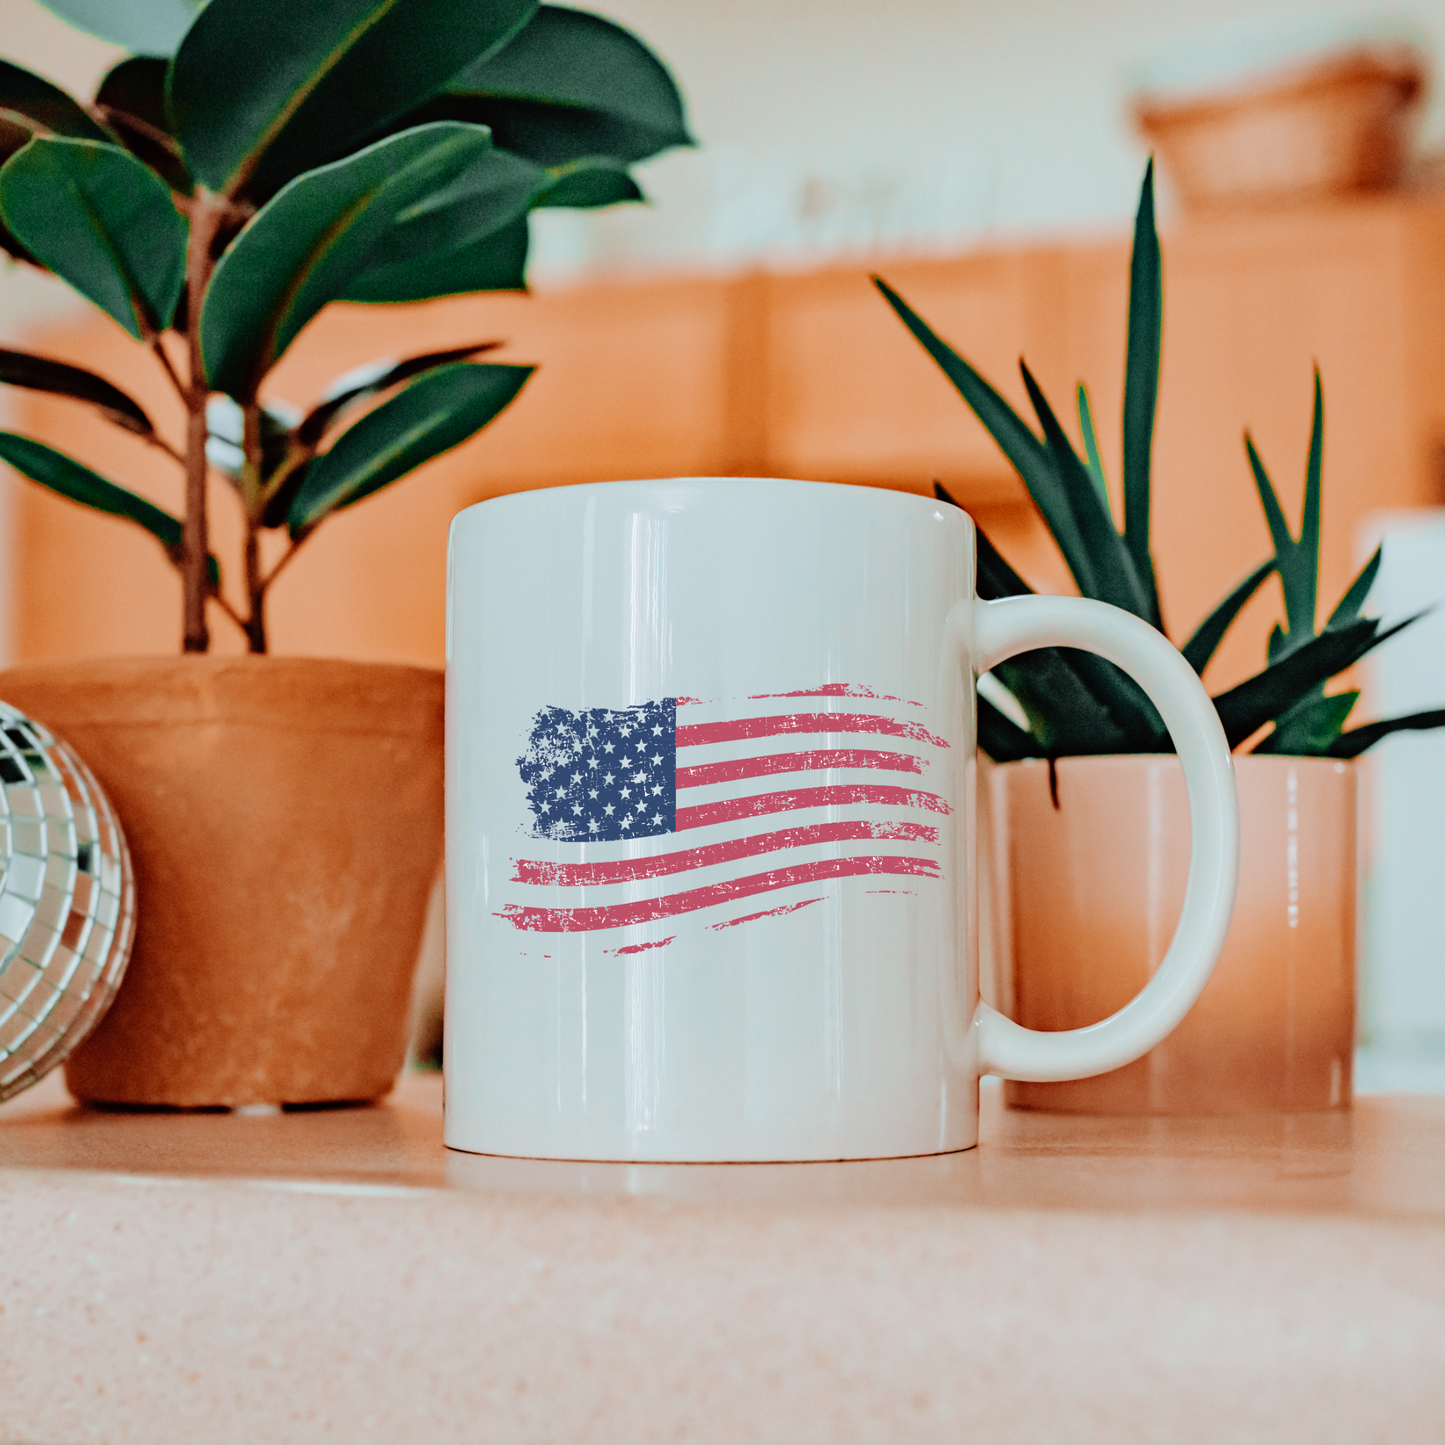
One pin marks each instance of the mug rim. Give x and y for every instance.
(881, 495)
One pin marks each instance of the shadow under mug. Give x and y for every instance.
(711, 887)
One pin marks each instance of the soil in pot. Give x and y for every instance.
(284, 816)
(1087, 895)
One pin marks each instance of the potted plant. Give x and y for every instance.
(252, 163)
(1090, 820)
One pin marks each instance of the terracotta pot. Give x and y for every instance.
(1087, 895)
(285, 820)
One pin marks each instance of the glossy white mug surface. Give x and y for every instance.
(757, 939)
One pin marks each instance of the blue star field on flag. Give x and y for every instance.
(602, 774)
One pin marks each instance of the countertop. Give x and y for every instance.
(337, 1274)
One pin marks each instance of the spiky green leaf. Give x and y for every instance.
(103, 221)
(1209, 634)
(1357, 592)
(1141, 375)
(1354, 742)
(1113, 575)
(1310, 727)
(1092, 458)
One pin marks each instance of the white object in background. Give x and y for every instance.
(776, 957)
(1402, 983)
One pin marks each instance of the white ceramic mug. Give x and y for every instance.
(710, 825)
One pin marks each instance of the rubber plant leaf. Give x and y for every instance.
(1205, 641)
(1002, 738)
(262, 90)
(1310, 727)
(1351, 744)
(132, 98)
(147, 27)
(1027, 454)
(30, 106)
(1115, 579)
(494, 191)
(587, 184)
(68, 477)
(427, 417)
(41, 373)
(497, 262)
(371, 380)
(1269, 694)
(572, 85)
(102, 221)
(1356, 593)
(311, 240)
(1141, 376)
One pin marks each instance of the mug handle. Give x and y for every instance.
(1018, 624)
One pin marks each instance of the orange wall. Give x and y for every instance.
(812, 376)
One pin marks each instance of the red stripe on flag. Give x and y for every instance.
(832, 797)
(692, 734)
(836, 689)
(632, 870)
(760, 767)
(619, 915)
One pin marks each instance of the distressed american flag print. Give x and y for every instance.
(802, 788)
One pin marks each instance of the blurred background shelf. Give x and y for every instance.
(809, 374)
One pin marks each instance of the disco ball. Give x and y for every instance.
(67, 902)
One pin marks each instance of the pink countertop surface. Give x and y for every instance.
(338, 1275)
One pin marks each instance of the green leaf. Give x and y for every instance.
(569, 86)
(496, 190)
(132, 98)
(1354, 742)
(1091, 447)
(1028, 455)
(1081, 701)
(1113, 577)
(587, 184)
(40, 373)
(1210, 633)
(262, 90)
(1141, 374)
(427, 417)
(307, 245)
(68, 477)
(148, 27)
(373, 379)
(1298, 562)
(1310, 728)
(1002, 738)
(30, 106)
(1271, 693)
(102, 221)
(1355, 595)
(494, 263)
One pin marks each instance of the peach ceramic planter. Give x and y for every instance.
(285, 820)
(1087, 895)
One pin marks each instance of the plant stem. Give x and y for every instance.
(253, 506)
(207, 213)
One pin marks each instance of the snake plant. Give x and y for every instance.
(1075, 703)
